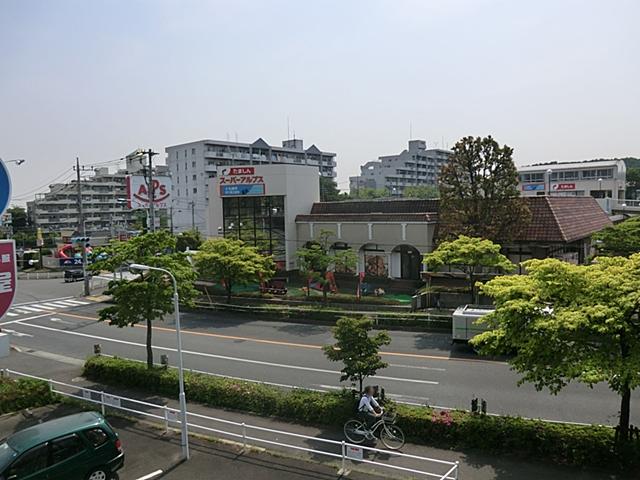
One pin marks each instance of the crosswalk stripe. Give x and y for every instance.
(41, 305)
(31, 309)
(61, 304)
(77, 302)
(65, 303)
(11, 314)
(54, 305)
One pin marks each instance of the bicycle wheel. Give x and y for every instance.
(392, 436)
(355, 431)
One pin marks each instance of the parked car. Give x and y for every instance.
(76, 447)
(74, 274)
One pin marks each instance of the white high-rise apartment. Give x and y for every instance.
(192, 165)
(412, 167)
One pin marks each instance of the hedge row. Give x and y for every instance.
(559, 443)
(24, 393)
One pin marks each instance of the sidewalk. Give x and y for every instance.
(473, 465)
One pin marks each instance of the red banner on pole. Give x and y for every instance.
(8, 275)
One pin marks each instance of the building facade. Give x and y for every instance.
(390, 236)
(412, 167)
(104, 202)
(599, 179)
(193, 165)
(259, 205)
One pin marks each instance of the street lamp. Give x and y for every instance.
(600, 187)
(17, 161)
(184, 440)
(549, 172)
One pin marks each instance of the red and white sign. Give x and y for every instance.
(238, 171)
(564, 186)
(139, 195)
(8, 275)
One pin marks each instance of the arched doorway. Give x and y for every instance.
(407, 262)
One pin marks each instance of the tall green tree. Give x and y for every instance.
(149, 296)
(622, 239)
(479, 193)
(570, 323)
(317, 259)
(329, 191)
(421, 191)
(19, 219)
(232, 262)
(191, 239)
(471, 255)
(633, 182)
(356, 349)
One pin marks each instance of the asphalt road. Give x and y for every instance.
(423, 367)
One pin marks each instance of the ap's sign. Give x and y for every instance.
(5, 188)
(8, 274)
(139, 193)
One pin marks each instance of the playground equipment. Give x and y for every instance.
(69, 251)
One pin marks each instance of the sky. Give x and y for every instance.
(554, 79)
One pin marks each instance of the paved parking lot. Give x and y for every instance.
(148, 449)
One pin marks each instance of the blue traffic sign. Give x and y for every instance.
(5, 187)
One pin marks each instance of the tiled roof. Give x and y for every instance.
(368, 217)
(553, 219)
(563, 219)
(386, 205)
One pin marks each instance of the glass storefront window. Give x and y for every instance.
(258, 221)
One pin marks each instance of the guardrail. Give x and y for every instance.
(39, 275)
(241, 431)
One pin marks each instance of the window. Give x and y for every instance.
(589, 174)
(195, 178)
(193, 164)
(185, 156)
(65, 447)
(193, 151)
(195, 190)
(605, 173)
(176, 154)
(96, 437)
(30, 462)
(571, 175)
(178, 192)
(185, 166)
(177, 166)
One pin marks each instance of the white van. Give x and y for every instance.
(464, 327)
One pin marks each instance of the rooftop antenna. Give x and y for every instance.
(288, 129)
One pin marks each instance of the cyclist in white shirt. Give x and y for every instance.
(369, 407)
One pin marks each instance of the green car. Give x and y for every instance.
(77, 447)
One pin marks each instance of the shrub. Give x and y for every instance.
(300, 405)
(575, 445)
(24, 393)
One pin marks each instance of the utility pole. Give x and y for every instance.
(193, 215)
(152, 217)
(171, 218)
(83, 231)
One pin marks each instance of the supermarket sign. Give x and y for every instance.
(240, 181)
(564, 186)
(139, 193)
(8, 275)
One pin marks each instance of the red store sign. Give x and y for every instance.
(238, 171)
(564, 186)
(8, 274)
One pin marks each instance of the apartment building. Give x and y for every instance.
(104, 201)
(596, 178)
(414, 166)
(193, 164)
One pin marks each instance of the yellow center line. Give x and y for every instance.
(287, 344)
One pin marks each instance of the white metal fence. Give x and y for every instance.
(345, 453)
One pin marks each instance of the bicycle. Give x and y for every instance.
(391, 435)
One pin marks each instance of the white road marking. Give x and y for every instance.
(46, 307)
(59, 320)
(151, 475)
(17, 334)
(32, 309)
(11, 314)
(75, 302)
(64, 303)
(40, 301)
(24, 319)
(416, 367)
(221, 357)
